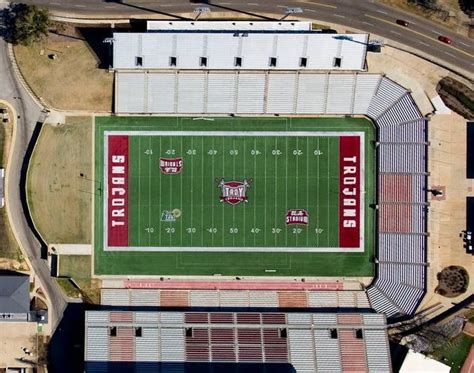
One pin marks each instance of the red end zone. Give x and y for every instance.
(349, 191)
(117, 191)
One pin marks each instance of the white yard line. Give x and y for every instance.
(317, 196)
(171, 198)
(239, 249)
(233, 207)
(307, 186)
(255, 193)
(213, 181)
(192, 187)
(139, 191)
(297, 184)
(329, 186)
(264, 230)
(222, 203)
(181, 199)
(161, 201)
(149, 193)
(286, 187)
(276, 191)
(237, 133)
(202, 191)
(245, 204)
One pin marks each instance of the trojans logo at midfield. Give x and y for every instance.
(234, 192)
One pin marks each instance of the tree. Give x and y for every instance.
(27, 24)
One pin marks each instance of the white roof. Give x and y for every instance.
(228, 25)
(416, 362)
(220, 49)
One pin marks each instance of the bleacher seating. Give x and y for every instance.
(401, 148)
(401, 271)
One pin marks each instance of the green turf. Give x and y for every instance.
(455, 351)
(279, 181)
(284, 172)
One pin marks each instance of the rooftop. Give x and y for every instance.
(307, 342)
(14, 293)
(267, 50)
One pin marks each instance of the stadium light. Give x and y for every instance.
(291, 10)
(201, 9)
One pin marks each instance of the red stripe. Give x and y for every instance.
(117, 180)
(349, 191)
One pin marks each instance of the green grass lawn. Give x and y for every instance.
(287, 172)
(69, 289)
(277, 183)
(455, 351)
(75, 266)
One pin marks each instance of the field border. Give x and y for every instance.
(290, 133)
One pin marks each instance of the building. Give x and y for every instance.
(219, 341)
(416, 362)
(229, 67)
(14, 296)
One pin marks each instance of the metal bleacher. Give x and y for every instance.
(402, 145)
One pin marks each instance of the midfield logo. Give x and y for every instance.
(171, 166)
(297, 216)
(234, 192)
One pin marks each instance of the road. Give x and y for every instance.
(366, 15)
(28, 114)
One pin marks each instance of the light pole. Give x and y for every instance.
(201, 9)
(291, 10)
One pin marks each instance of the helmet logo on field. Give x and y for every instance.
(170, 216)
(297, 216)
(234, 192)
(171, 166)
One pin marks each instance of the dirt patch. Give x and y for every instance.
(457, 96)
(13, 338)
(90, 289)
(58, 196)
(452, 281)
(63, 71)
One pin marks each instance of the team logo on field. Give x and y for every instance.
(297, 216)
(171, 166)
(234, 192)
(170, 216)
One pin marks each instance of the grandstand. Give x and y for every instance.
(292, 89)
(259, 341)
(344, 299)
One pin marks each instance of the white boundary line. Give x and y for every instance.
(230, 134)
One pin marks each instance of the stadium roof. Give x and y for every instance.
(306, 342)
(228, 25)
(229, 50)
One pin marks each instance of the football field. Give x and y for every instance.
(234, 196)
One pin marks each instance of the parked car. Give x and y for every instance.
(445, 39)
(401, 22)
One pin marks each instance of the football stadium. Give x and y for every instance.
(235, 196)
(258, 149)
